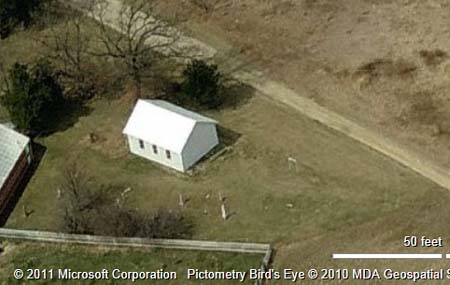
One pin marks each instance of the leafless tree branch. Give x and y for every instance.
(137, 38)
(69, 47)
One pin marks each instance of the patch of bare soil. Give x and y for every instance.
(110, 145)
(382, 63)
(433, 57)
(367, 73)
(7, 248)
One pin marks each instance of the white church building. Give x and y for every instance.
(169, 135)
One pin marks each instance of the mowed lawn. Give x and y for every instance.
(91, 259)
(3, 114)
(343, 197)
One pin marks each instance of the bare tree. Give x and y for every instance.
(69, 47)
(166, 224)
(117, 221)
(138, 38)
(78, 199)
(88, 208)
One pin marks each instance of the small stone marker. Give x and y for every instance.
(125, 192)
(181, 200)
(292, 163)
(224, 212)
(93, 137)
(222, 198)
(26, 212)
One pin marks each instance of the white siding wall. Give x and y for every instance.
(174, 162)
(203, 139)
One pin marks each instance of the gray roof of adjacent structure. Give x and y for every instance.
(12, 145)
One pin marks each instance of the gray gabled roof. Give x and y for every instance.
(12, 145)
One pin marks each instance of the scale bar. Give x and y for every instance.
(389, 256)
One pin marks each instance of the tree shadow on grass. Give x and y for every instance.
(232, 95)
(235, 94)
(38, 153)
(66, 117)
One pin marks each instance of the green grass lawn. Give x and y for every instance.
(341, 189)
(24, 255)
(3, 114)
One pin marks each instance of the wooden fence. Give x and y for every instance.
(135, 242)
(43, 236)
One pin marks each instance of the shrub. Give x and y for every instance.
(15, 12)
(433, 57)
(120, 221)
(201, 83)
(167, 224)
(32, 96)
(90, 209)
(112, 220)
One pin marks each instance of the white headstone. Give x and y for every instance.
(181, 200)
(224, 212)
(292, 163)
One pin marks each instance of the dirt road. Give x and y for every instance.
(111, 10)
(280, 93)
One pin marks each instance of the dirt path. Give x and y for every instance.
(111, 14)
(309, 108)
(280, 93)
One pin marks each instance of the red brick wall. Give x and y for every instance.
(13, 181)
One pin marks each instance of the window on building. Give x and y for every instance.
(155, 149)
(168, 154)
(141, 144)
